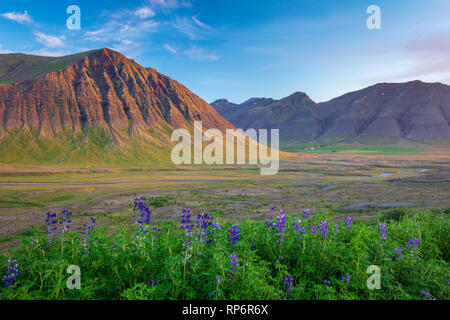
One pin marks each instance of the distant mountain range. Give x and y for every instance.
(93, 107)
(386, 113)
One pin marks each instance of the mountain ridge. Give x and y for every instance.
(384, 113)
(103, 100)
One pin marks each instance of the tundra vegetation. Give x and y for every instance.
(290, 255)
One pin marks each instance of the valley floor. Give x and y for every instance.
(359, 183)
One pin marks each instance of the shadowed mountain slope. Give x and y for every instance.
(386, 113)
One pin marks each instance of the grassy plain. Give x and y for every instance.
(361, 184)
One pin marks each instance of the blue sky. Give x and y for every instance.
(242, 49)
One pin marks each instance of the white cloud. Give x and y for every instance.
(196, 53)
(188, 27)
(18, 17)
(170, 48)
(48, 40)
(200, 24)
(171, 3)
(126, 42)
(144, 13)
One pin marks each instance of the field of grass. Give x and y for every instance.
(313, 257)
(352, 149)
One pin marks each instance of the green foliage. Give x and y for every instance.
(162, 267)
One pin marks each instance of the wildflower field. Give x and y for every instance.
(302, 255)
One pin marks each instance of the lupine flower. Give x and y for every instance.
(414, 242)
(234, 261)
(269, 223)
(233, 235)
(348, 223)
(336, 228)
(154, 283)
(312, 228)
(306, 213)
(52, 225)
(298, 226)
(383, 231)
(399, 253)
(142, 215)
(425, 293)
(281, 224)
(346, 279)
(323, 228)
(12, 273)
(86, 235)
(288, 281)
(203, 222)
(65, 221)
(327, 283)
(218, 280)
(187, 226)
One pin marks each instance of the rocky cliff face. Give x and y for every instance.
(102, 90)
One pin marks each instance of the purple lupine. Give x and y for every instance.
(414, 242)
(327, 283)
(281, 224)
(269, 223)
(234, 261)
(312, 228)
(233, 235)
(65, 221)
(86, 235)
(323, 228)
(306, 213)
(203, 222)
(12, 273)
(399, 253)
(383, 231)
(142, 215)
(298, 226)
(154, 283)
(426, 294)
(346, 280)
(336, 228)
(348, 223)
(187, 226)
(288, 281)
(52, 225)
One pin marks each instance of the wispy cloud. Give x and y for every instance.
(200, 24)
(170, 48)
(144, 13)
(18, 17)
(197, 53)
(173, 4)
(49, 40)
(192, 27)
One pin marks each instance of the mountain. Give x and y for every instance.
(386, 113)
(94, 107)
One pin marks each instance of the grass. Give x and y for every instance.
(124, 265)
(352, 149)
